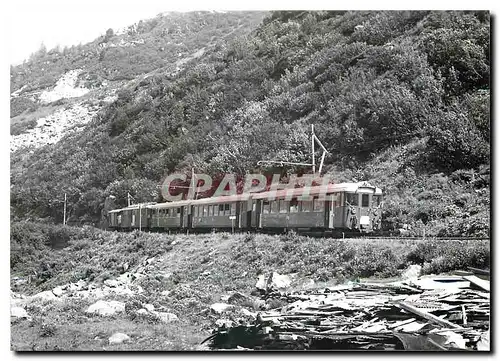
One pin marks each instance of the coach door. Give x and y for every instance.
(330, 211)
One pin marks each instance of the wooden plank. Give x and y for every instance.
(479, 271)
(428, 316)
(485, 285)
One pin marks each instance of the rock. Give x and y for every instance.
(126, 278)
(142, 311)
(220, 307)
(261, 283)
(166, 293)
(81, 285)
(18, 312)
(111, 283)
(106, 308)
(58, 291)
(412, 272)
(118, 338)
(149, 307)
(125, 266)
(280, 281)
(167, 317)
(238, 298)
(46, 296)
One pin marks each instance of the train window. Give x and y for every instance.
(306, 206)
(365, 200)
(274, 206)
(119, 219)
(227, 209)
(318, 205)
(215, 210)
(133, 220)
(266, 207)
(205, 211)
(283, 206)
(352, 199)
(294, 206)
(178, 212)
(233, 209)
(210, 211)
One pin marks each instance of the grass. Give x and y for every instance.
(197, 270)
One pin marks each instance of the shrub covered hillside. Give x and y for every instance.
(398, 98)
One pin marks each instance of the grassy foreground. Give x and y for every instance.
(196, 270)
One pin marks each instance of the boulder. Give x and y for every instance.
(111, 283)
(106, 308)
(261, 282)
(280, 281)
(149, 307)
(220, 307)
(18, 312)
(238, 298)
(412, 272)
(142, 311)
(46, 296)
(58, 291)
(118, 338)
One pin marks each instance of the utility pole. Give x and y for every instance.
(314, 139)
(64, 217)
(128, 199)
(312, 150)
(140, 217)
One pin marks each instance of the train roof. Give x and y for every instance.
(134, 206)
(316, 190)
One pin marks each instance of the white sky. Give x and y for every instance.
(56, 22)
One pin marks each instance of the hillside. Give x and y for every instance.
(169, 289)
(400, 99)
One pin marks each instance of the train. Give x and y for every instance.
(346, 207)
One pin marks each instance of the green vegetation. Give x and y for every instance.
(55, 255)
(185, 274)
(400, 99)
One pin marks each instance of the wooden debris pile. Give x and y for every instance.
(428, 313)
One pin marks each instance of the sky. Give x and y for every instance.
(69, 23)
(57, 22)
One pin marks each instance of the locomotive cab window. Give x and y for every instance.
(352, 199)
(365, 200)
